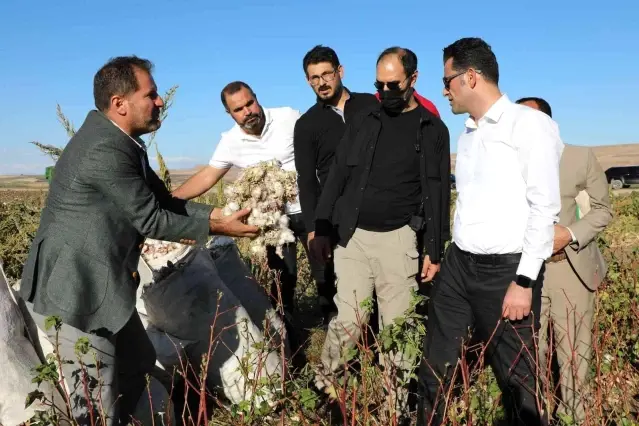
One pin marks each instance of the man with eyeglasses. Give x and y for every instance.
(317, 133)
(388, 194)
(508, 201)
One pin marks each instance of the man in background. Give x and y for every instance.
(388, 186)
(507, 203)
(259, 134)
(574, 271)
(103, 201)
(317, 134)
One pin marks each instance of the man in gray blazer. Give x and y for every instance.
(104, 200)
(574, 272)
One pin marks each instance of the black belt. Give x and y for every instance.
(492, 259)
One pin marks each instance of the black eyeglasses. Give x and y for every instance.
(325, 76)
(392, 85)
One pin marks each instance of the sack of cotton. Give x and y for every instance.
(194, 314)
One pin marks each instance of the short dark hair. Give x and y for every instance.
(473, 52)
(406, 56)
(320, 54)
(233, 87)
(117, 77)
(541, 103)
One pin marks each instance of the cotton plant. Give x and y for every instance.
(266, 188)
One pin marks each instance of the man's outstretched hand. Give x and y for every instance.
(233, 225)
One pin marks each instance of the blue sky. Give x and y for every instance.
(582, 57)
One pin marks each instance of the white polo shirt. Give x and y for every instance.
(239, 149)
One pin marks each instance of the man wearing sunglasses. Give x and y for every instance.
(388, 194)
(507, 204)
(317, 133)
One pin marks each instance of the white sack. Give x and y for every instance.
(237, 276)
(184, 301)
(18, 358)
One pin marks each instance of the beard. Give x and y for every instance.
(254, 122)
(149, 125)
(330, 98)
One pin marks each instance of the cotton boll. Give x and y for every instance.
(265, 188)
(278, 190)
(256, 192)
(226, 211)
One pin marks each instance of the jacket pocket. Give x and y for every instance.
(77, 283)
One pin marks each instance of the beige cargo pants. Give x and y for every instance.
(384, 262)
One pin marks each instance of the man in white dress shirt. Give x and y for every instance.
(259, 134)
(508, 202)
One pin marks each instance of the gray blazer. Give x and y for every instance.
(102, 203)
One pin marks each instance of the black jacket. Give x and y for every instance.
(317, 134)
(342, 195)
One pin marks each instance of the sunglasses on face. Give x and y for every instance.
(450, 78)
(392, 85)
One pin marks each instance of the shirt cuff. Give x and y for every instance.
(574, 239)
(529, 266)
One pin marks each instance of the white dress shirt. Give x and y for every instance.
(507, 176)
(239, 149)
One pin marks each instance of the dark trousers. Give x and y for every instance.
(124, 361)
(324, 275)
(468, 294)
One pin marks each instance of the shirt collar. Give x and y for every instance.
(493, 114)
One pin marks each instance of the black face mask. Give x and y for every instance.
(394, 101)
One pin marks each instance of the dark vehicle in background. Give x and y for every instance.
(622, 176)
(452, 181)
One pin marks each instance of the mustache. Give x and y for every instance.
(324, 87)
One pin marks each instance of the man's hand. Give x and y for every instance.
(320, 248)
(517, 302)
(216, 213)
(233, 225)
(562, 238)
(311, 235)
(429, 269)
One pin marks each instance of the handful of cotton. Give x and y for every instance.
(265, 188)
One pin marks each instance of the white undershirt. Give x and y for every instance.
(507, 176)
(239, 149)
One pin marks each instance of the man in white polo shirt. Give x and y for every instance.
(260, 134)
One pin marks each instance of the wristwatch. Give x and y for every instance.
(523, 281)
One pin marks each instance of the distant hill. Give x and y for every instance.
(608, 156)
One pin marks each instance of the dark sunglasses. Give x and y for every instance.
(447, 80)
(392, 85)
